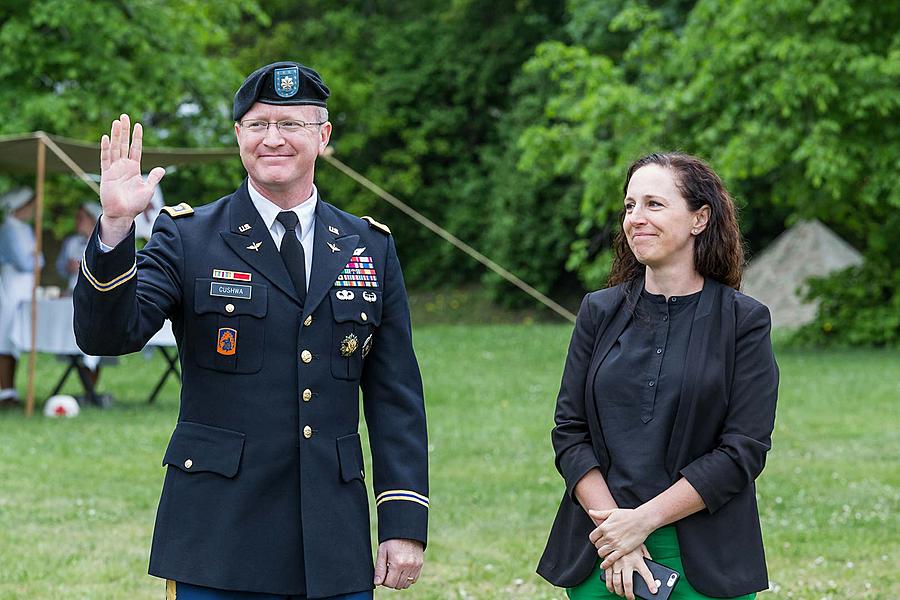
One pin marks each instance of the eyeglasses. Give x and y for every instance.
(258, 126)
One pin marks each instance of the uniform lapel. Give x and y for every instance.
(697, 350)
(254, 245)
(331, 252)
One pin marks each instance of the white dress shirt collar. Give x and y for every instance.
(268, 210)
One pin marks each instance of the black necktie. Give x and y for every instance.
(292, 252)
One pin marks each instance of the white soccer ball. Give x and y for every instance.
(61, 406)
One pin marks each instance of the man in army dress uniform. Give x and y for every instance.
(283, 307)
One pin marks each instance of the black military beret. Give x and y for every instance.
(280, 83)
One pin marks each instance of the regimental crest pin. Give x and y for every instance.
(287, 81)
(226, 343)
(349, 345)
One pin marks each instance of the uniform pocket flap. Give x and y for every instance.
(198, 448)
(356, 308)
(230, 299)
(350, 456)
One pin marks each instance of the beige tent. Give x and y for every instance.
(27, 153)
(778, 275)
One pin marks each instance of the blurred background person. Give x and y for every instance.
(17, 262)
(143, 223)
(68, 262)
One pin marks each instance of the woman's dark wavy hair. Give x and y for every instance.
(718, 249)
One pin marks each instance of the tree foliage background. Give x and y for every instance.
(510, 122)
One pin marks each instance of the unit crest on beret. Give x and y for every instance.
(376, 225)
(181, 210)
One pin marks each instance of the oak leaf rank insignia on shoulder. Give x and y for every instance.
(376, 225)
(181, 210)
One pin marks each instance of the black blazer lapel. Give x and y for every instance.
(698, 349)
(331, 253)
(622, 312)
(254, 244)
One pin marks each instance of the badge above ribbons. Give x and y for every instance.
(287, 81)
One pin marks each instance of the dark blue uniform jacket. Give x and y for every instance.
(265, 485)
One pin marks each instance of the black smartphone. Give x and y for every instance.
(665, 577)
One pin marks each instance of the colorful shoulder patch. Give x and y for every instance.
(376, 225)
(181, 210)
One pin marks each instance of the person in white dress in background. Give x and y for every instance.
(143, 223)
(17, 262)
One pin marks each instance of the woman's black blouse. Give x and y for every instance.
(637, 388)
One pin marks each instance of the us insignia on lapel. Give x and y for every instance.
(226, 344)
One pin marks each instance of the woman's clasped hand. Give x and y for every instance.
(620, 574)
(620, 531)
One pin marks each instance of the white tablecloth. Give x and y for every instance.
(55, 333)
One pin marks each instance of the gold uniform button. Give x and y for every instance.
(307, 432)
(188, 464)
(308, 321)
(307, 395)
(229, 308)
(306, 356)
(364, 316)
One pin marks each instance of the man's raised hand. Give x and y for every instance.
(123, 192)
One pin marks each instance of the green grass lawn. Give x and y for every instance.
(78, 496)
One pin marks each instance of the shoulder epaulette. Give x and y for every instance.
(379, 226)
(182, 210)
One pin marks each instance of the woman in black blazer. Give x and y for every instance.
(667, 402)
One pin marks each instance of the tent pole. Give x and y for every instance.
(38, 227)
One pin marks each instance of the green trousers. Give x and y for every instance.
(663, 547)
